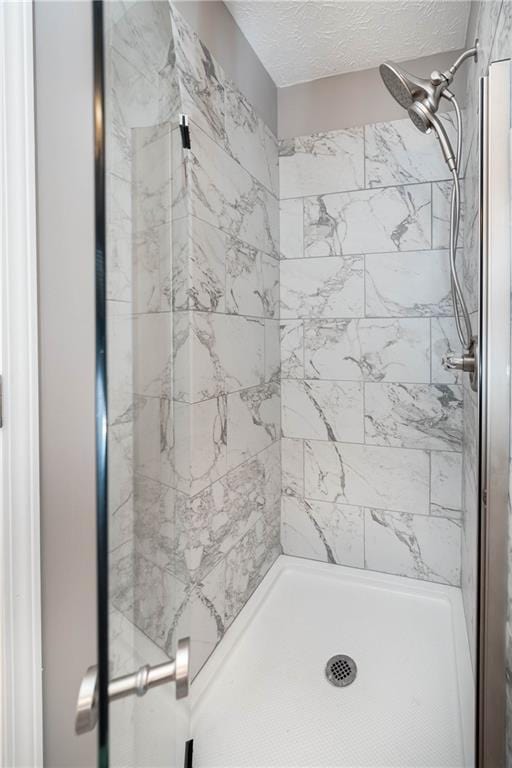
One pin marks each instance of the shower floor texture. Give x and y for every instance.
(263, 698)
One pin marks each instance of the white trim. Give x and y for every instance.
(20, 588)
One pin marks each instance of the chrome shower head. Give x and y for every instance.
(421, 98)
(399, 83)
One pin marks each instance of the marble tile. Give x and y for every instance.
(445, 484)
(225, 195)
(219, 517)
(249, 140)
(152, 354)
(154, 439)
(321, 163)
(272, 351)
(151, 192)
(119, 238)
(368, 221)
(253, 421)
(397, 153)
(252, 281)
(502, 46)
(142, 35)
(199, 265)
(367, 350)
(445, 341)
(326, 287)
(159, 601)
(441, 203)
(322, 410)
(417, 546)
(366, 475)
(207, 609)
(211, 354)
(135, 96)
(201, 80)
(292, 349)
(408, 284)
(152, 270)
(120, 468)
(247, 563)
(292, 467)
(204, 428)
(155, 523)
(425, 416)
(119, 363)
(291, 227)
(332, 533)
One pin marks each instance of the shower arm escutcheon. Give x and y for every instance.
(175, 670)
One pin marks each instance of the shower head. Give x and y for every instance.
(421, 97)
(425, 121)
(404, 87)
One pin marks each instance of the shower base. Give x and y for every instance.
(263, 698)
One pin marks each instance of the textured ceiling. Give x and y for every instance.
(300, 40)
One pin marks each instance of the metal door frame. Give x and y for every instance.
(494, 413)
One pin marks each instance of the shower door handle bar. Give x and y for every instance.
(136, 683)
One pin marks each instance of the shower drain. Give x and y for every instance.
(341, 670)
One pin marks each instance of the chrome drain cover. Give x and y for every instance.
(341, 670)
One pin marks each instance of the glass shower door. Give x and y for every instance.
(148, 614)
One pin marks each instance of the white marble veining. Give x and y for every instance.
(198, 265)
(291, 228)
(201, 79)
(253, 421)
(292, 467)
(366, 475)
(368, 221)
(225, 195)
(200, 455)
(151, 273)
(333, 533)
(367, 349)
(414, 415)
(418, 546)
(152, 354)
(211, 354)
(247, 563)
(271, 351)
(252, 281)
(249, 140)
(292, 349)
(397, 153)
(327, 287)
(322, 410)
(410, 284)
(321, 163)
(445, 484)
(445, 341)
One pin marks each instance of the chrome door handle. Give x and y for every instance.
(138, 683)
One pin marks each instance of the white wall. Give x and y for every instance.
(65, 168)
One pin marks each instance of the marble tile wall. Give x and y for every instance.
(372, 425)
(198, 270)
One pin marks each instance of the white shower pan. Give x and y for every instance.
(263, 700)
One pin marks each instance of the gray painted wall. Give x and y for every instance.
(344, 101)
(65, 167)
(217, 29)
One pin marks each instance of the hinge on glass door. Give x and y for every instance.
(189, 753)
(185, 132)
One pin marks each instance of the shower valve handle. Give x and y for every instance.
(463, 363)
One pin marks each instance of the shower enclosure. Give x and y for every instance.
(301, 508)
